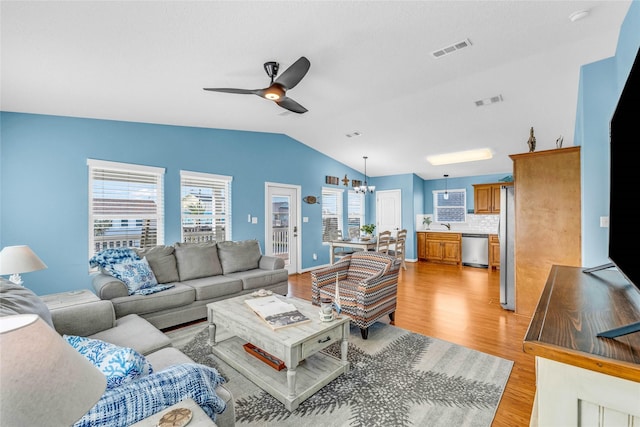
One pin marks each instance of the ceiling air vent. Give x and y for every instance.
(488, 101)
(450, 49)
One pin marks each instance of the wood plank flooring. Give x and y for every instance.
(462, 305)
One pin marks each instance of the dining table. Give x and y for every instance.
(356, 243)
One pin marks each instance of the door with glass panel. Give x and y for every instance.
(282, 224)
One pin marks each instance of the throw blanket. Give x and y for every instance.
(137, 400)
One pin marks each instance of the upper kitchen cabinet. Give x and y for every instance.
(486, 197)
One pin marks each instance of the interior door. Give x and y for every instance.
(282, 224)
(389, 210)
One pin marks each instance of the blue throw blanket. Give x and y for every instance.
(137, 400)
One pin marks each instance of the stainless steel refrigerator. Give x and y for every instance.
(506, 235)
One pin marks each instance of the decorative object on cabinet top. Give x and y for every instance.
(531, 141)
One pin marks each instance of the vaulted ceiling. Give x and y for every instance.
(372, 71)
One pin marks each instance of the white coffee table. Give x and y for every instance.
(307, 369)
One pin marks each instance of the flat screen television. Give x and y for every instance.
(624, 161)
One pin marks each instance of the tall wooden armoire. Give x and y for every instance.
(548, 219)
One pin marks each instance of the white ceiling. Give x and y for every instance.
(371, 71)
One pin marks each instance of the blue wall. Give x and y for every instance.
(600, 86)
(43, 174)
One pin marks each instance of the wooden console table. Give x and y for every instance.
(582, 379)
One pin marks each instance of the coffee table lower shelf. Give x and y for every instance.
(312, 374)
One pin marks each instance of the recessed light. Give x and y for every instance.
(460, 157)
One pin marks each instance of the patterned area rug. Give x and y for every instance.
(396, 378)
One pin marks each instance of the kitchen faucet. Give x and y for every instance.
(446, 225)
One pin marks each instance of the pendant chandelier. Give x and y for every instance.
(364, 188)
(446, 187)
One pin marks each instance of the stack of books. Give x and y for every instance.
(275, 312)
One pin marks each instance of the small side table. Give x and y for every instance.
(200, 418)
(67, 299)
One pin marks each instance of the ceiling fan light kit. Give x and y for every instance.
(277, 91)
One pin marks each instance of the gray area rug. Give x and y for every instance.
(396, 378)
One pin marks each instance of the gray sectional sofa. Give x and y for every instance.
(200, 273)
(97, 320)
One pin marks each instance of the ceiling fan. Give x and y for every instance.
(277, 91)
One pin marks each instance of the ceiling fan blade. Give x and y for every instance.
(232, 90)
(291, 105)
(292, 75)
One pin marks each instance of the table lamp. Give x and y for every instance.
(43, 380)
(19, 259)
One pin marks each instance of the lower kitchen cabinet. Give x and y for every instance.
(440, 247)
(494, 251)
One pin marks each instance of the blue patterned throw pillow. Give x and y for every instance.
(119, 364)
(136, 275)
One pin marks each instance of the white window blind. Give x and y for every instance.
(205, 200)
(126, 205)
(355, 210)
(331, 211)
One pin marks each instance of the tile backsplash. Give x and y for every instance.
(475, 224)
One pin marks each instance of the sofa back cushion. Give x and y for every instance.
(162, 260)
(15, 299)
(196, 260)
(239, 256)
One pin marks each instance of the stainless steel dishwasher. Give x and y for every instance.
(475, 250)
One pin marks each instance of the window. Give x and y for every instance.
(126, 205)
(453, 209)
(355, 210)
(205, 201)
(331, 211)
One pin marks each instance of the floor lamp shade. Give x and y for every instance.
(43, 380)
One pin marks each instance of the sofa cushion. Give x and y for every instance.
(196, 260)
(257, 279)
(162, 260)
(214, 287)
(16, 299)
(119, 365)
(178, 296)
(239, 256)
(135, 332)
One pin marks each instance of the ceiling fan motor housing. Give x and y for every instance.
(271, 68)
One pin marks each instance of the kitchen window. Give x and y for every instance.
(450, 206)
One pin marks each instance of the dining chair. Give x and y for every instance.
(384, 241)
(354, 232)
(339, 252)
(398, 250)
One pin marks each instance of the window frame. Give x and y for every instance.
(217, 183)
(361, 216)
(154, 177)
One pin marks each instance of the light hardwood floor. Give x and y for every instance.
(462, 305)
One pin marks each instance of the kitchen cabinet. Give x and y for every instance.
(486, 197)
(442, 247)
(494, 251)
(422, 245)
